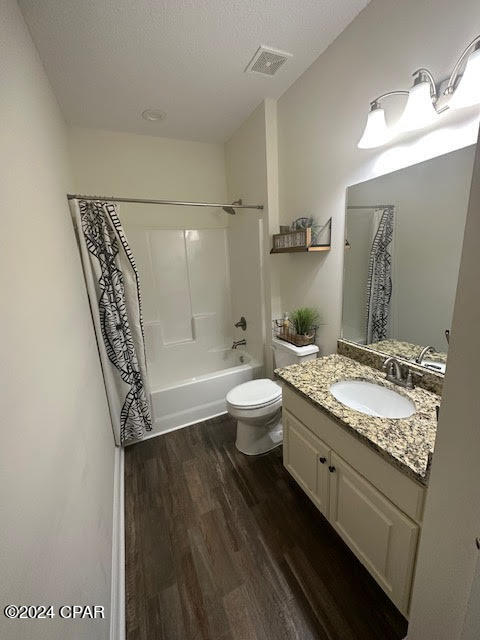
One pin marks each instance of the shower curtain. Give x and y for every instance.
(379, 283)
(114, 295)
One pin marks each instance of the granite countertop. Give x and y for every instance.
(407, 443)
(406, 350)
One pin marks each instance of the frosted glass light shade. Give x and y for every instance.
(376, 131)
(468, 91)
(419, 111)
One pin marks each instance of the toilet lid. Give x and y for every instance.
(255, 393)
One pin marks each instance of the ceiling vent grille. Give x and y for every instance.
(267, 61)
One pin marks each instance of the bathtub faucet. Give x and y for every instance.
(239, 343)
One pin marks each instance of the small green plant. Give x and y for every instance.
(304, 319)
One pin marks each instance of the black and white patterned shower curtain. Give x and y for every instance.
(114, 294)
(379, 283)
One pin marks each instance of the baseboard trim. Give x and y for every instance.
(154, 434)
(117, 604)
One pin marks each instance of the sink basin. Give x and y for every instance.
(372, 399)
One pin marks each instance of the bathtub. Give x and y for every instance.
(202, 396)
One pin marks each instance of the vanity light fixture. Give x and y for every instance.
(421, 109)
(376, 130)
(467, 91)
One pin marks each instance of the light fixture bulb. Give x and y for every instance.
(467, 92)
(376, 132)
(419, 111)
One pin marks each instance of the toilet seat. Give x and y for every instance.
(255, 394)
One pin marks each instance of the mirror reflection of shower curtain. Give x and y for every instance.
(379, 282)
(114, 294)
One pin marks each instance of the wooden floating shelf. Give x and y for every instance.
(300, 240)
(310, 249)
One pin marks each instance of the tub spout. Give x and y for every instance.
(239, 343)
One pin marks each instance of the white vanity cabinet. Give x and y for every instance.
(307, 458)
(380, 534)
(374, 507)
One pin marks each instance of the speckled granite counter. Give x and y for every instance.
(406, 350)
(407, 443)
(425, 378)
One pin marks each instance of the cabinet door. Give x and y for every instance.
(382, 537)
(306, 457)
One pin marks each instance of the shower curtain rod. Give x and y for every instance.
(369, 206)
(72, 196)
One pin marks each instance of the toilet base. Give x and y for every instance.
(253, 440)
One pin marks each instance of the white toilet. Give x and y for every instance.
(257, 405)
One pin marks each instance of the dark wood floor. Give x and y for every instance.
(224, 546)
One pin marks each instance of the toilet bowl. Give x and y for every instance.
(257, 407)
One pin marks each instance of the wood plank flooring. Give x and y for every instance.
(222, 546)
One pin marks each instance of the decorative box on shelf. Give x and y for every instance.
(284, 330)
(300, 240)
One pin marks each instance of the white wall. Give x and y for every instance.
(448, 555)
(124, 164)
(251, 162)
(57, 452)
(321, 117)
(431, 200)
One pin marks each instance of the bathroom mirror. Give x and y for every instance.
(404, 234)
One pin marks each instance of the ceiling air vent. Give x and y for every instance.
(267, 61)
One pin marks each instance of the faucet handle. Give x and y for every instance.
(241, 324)
(389, 363)
(409, 380)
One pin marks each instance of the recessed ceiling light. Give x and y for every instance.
(153, 115)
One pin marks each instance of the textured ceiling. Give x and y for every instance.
(108, 60)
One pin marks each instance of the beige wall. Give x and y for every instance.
(124, 164)
(57, 453)
(251, 164)
(321, 117)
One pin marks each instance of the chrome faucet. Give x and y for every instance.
(423, 353)
(398, 374)
(239, 343)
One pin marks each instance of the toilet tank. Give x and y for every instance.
(285, 353)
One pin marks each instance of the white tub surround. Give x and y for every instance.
(186, 294)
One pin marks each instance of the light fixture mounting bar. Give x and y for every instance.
(474, 44)
(374, 103)
(424, 99)
(421, 75)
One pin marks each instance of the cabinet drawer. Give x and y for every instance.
(402, 490)
(381, 536)
(307, 459)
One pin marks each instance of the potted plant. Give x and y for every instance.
(305, 321)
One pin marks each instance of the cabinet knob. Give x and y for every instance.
(322, 459)
(331, 468)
